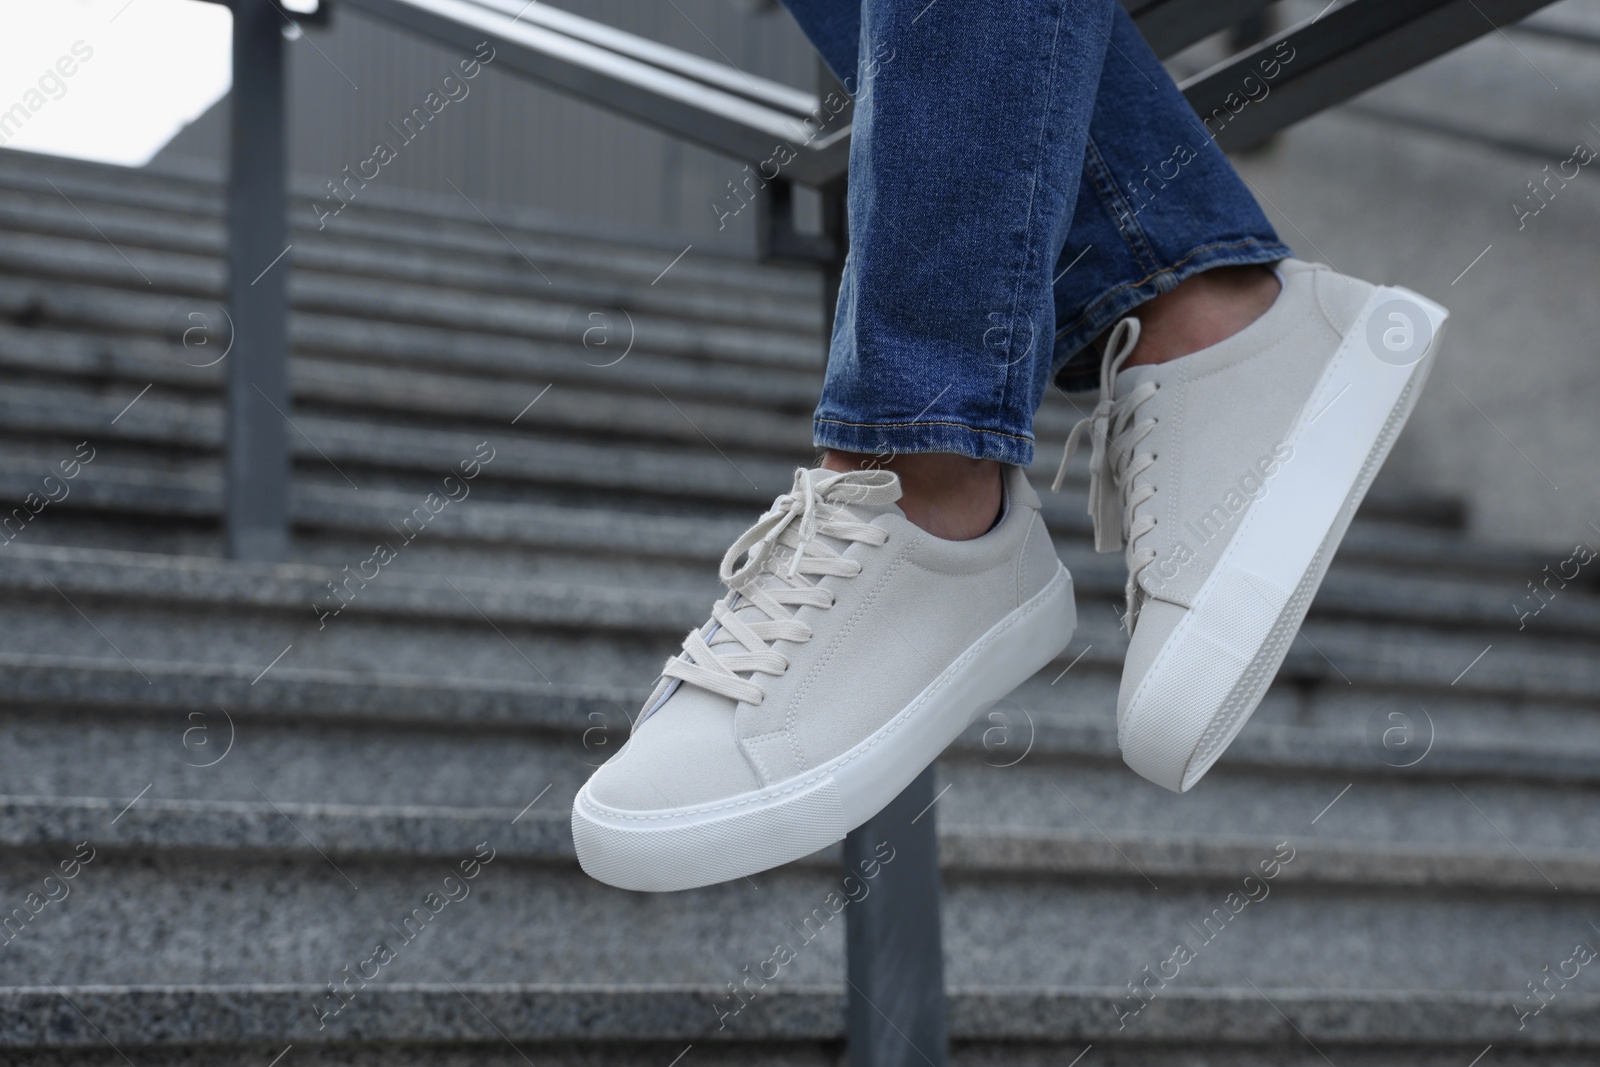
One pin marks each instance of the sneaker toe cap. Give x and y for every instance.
(685, 754)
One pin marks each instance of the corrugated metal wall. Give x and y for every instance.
(510, 141)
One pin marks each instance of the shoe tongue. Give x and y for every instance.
(864, 495)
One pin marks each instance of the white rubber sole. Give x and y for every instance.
(1214, 668)
(681, 848)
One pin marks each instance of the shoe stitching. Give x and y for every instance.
(918, 425)
(840, 640)
(1116, 205)
(1029, 254)
(787, 727)
(1173, 474)
(1022, 558)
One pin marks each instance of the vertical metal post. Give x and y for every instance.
(256, 482)
(894, 951)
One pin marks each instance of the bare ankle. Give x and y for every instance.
(952, 497)
(1204, 309)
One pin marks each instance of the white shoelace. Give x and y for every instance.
(1115, 491)
(765, 581)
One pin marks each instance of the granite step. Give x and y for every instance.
(493, 1024)
(411, 303)
(143, 824)
(277, 893)
(371, 730)
(194, 196)
(77, 331)
(1367, 634)
(50, 238)
(163, 428)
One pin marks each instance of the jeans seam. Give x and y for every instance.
(1028, 255)
(915, 425)
(1133, 235)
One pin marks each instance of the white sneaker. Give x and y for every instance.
(1229, 476)
(852, 647)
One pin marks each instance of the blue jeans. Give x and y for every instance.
(1022, 174)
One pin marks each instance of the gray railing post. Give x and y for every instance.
(256, 479)
(894, 950)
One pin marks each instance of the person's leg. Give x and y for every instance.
(1179, 264)
(951, 496)
(1164, 228)
(960, 198)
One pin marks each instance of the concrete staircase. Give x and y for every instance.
(257, 773)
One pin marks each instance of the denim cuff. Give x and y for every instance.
(890, 439)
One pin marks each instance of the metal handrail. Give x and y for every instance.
(1348, 50)
(673, 91)
(773, 94)
(1170, 26)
